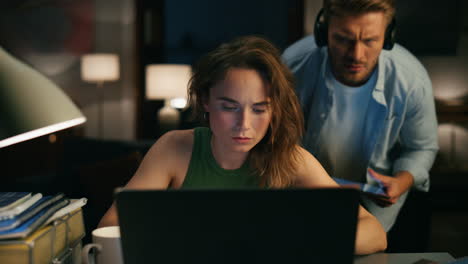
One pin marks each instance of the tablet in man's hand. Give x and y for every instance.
(368, 189)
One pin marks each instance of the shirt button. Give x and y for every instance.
(322, 115)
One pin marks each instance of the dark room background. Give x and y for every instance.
(52, 35)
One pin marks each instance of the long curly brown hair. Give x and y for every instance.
(274, 159)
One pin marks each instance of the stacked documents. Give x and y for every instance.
(13, 203)
(21, 213)
(36, 228)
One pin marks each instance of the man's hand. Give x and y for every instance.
(395, 186)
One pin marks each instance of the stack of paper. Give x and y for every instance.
(13, 203)
(51, 243)
(22, 213)
(37, 227)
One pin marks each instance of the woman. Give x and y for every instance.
(245, 94)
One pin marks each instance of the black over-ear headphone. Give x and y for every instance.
(321, 32)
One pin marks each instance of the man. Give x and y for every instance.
(368, 102)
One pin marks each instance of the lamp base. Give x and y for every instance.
(168, 118)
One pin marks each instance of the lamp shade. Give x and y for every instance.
(166, 81)
(30, 104)
(100, 67)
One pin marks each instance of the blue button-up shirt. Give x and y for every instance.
(400, 130)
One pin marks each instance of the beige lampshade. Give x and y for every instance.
(30, 104)
(100, 67)
(167, 81)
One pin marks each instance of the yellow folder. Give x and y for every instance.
(47, 243)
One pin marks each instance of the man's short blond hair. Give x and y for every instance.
(358, 7)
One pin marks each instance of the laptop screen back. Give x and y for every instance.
(238, 226)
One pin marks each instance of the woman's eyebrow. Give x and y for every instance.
(230, 100)
(227, 99)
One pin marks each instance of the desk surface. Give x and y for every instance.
(404, 258)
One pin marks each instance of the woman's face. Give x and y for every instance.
(239, 110)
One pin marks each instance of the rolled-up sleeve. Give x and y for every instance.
(418, 136)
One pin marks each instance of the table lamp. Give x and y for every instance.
(30, 104)
(99, 68)
(168, 82)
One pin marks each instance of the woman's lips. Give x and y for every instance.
(242, 140)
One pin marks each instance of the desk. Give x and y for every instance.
(403, 258)
(380, 258)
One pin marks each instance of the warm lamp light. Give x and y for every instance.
(99, 68)
(168, 82)
(30, 104)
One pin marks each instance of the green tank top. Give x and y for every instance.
(204, 171)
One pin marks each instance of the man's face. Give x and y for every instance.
(354, 45)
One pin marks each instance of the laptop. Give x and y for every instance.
(238, 226)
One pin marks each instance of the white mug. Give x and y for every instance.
(106, 241)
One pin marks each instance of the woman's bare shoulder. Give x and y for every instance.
(175, 141)
(166, 162)
(179, 144)
(305, 157)
(183, 137)
(310, 172)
